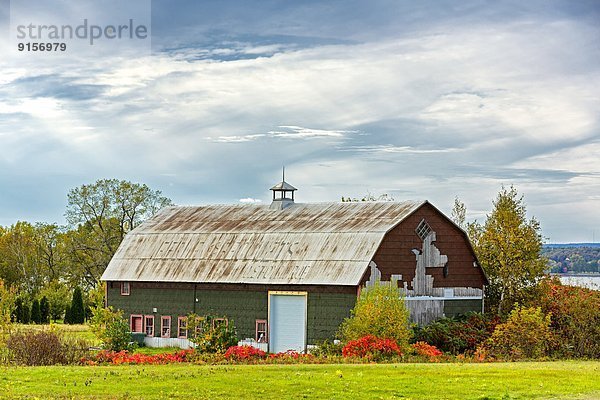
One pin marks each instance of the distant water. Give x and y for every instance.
(590, 282)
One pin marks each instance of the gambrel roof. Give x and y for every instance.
(310, 244)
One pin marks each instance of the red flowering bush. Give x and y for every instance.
(291, 357)
(125, 357)
(426, 350)
(575, 318)
(244, 353)
(372, 348)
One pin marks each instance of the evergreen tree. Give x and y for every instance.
(45, 310)
(36, 316)
(77, 310)
(68, 319)
(25, 313)
(18, 313)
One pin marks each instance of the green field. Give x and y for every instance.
(534, 380)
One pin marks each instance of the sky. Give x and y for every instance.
(420, 100)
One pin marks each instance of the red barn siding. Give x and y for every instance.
(394, 255)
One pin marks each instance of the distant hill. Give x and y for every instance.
(568, 245)
(572, 257)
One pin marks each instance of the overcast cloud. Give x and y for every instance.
(427, 101)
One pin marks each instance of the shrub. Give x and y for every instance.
(290, 357)
(426, 350)
(380, 312)
(110, 327)
(74, 349)
(244, 353)
(526, 334)
(373, 348)
(211, 334)
(458, 335)
(127, 358)
(44, 348)
(575, 315)
(327, 348)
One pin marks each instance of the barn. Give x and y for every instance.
(288, 273)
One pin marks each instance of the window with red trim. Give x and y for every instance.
(165, 327)
(125, 288)
(261, 331)
(149, 323)
(182, 327)
(136, 324)
(217, 322)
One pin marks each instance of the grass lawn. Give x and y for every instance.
(534, 380)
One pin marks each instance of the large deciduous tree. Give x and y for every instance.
(58, 297)
(508, 246)
(32, 255)
(100, 215)
(20, 264)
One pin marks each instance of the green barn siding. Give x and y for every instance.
(243, 307)
(325, 311)
(461, 306)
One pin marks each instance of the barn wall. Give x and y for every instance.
(394, 255)
(453, 308)
(244, 304)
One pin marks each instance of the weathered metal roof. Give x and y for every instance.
(283, 185)
(329, 244)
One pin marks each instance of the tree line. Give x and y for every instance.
(50, 261)
(573, 259)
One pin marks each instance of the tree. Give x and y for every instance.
(459, 213)
(31, 255)
(379, 311)
(36, 316)
(508, 247)
(102, 213)
(8, 298)
(51, 248)
(22, 311)
(44, 310)
(77, 310)
(68, 318)
(57, 294)
(20, 264)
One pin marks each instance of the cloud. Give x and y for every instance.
(250, 200)
(236, 139)
(298, 132)
(378, 149)
(284, 132)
